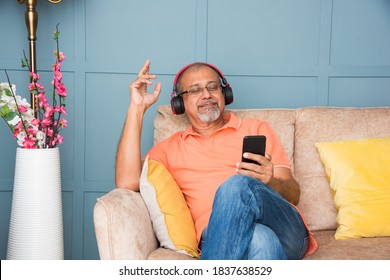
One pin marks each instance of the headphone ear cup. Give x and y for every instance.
(228, 94)
(177, 105)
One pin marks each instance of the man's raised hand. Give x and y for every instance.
(139, 95)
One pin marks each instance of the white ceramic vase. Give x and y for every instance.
(36, 226)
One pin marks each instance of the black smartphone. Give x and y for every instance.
(254, 144)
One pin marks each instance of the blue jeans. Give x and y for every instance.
(250, 220)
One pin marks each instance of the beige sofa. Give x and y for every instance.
(122, 224)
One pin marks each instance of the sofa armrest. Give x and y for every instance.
(123, 227)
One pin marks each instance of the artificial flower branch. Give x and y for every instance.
(39, 129)
(17, 107)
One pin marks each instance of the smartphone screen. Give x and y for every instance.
(253, 144)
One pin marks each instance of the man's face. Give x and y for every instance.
(205, 101)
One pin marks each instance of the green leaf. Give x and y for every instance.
(4, 110)
(56, 35)
(7, 92)
(10, 116)
(24, 63)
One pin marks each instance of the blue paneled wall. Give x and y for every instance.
(278, 53)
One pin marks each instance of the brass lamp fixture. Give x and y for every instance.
(31, 17)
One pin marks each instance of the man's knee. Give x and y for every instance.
(240, 180)
(239, 186)
(233, 187)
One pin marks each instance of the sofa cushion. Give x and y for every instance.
(375, 248)
(324, 124)
(359, 173)
(168, 254)
(281, 120)
(171, 219)
(328, 249)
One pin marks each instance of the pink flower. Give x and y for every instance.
(35, 121)
(63, 123)
(60, 139)
(19, 125)
(49, 111)
(60, 109)
(34, 76)
(46, 122)
(35, 85)
(16, 132)
(42, 100)
(57, 76)
(41, 95)
(61, 90)
(40, 86)
(22, 109)
(61, 57)
(56, 67)
(31, 133)
(50, 132)
(28, 144)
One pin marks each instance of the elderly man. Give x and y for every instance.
(241, 210)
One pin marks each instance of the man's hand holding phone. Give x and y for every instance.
(255, 163)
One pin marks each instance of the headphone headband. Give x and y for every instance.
(192, 64)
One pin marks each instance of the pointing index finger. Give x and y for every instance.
(145, 69)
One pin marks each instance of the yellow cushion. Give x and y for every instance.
(171, 219)
(359, 174)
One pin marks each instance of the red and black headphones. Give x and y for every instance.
(177, 103)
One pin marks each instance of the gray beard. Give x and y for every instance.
(210, 115)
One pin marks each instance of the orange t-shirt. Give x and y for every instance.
(200, 165)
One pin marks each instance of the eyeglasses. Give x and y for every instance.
(212, 88)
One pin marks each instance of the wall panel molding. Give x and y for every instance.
(279, 53)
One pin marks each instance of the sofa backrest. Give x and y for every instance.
(327, 124)
(299, 130)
